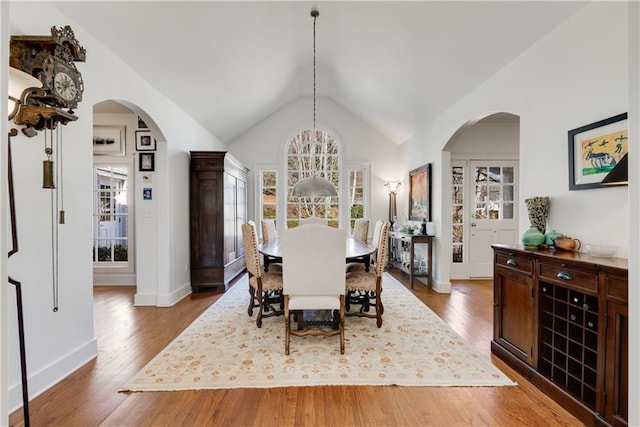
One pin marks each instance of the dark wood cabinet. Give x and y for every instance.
(560, 318)
(513, 304)
(217, 209)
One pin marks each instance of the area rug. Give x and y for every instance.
(224, 349)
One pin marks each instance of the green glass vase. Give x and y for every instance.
(532, 237)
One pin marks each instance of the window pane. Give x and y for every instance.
(507, 175)
(456, 178)
(269, 178)
(507, 211)
(457, 195)
(494, 174)
(507, 193)
(457, 215)
(457, 233)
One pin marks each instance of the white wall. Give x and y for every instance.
(264, 143)
(553, 87)
(58, 343)
(490, 138)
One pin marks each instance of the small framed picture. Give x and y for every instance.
(109, 140)
(147, 194)
(595, 149)
(147, 162)
(145, 141)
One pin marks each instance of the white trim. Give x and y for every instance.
(52, 374)
(170, 299)
(257, 193)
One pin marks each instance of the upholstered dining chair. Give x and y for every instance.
(358, 264)
(365, 288)
(361, 230)
(265, 289)
(269, 234)
(313, 277)
(312, 220)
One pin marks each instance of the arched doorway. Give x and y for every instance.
(482, 193)
(126, 209)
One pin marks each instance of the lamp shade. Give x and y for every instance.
(18, 82)
(392, 186)
(314, 187)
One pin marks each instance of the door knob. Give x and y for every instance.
(473, 224)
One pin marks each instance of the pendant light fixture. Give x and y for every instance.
(314, 186)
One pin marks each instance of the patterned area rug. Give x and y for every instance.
(223, 348)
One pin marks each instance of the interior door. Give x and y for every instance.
(493, 216)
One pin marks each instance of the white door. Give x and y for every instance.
(493, 215)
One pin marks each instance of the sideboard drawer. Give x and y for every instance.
(569, 276)
(514, 261)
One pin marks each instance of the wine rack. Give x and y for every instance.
(568, 352)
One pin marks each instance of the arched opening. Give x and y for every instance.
(480, 200)
(126, 147)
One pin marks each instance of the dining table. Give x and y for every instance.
(356, 251)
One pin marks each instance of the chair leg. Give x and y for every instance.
(379, 306)
(252, 300)
(260, 296)
(342, 306)
(287, 325)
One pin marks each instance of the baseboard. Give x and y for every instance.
(168, 300)
(50, 375)
(441, 287)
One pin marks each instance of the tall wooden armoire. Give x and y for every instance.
(217, 209)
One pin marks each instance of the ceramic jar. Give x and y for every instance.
(567, 244)
(532, 237)
(550, 235)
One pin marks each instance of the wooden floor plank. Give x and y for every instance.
(128, 337)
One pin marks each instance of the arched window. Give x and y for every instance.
(307, 156)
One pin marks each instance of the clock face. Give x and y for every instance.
(64, 86)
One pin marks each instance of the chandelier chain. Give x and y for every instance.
(314, 70)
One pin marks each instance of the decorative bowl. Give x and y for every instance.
(602, 251)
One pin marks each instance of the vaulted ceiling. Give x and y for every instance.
(396, 65)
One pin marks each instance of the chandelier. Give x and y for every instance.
(314, 186)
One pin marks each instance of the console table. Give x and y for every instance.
(402, 254)
(560, 319)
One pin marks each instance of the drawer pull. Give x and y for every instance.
(512, 261)
(564, 275)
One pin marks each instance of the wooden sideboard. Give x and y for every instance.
(560, 319)
(217, 209)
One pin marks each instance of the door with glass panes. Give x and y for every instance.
(493, 215)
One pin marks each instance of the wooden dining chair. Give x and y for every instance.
(364, 288)
(269, 234)
(265, 289)
(313, 277)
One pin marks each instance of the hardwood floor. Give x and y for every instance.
(128, 337)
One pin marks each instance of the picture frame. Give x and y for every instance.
(420, 193)
(145, 141)
(109, 140)
(595, 149)
(146, 162)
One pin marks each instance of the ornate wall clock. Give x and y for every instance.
(52, 60)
